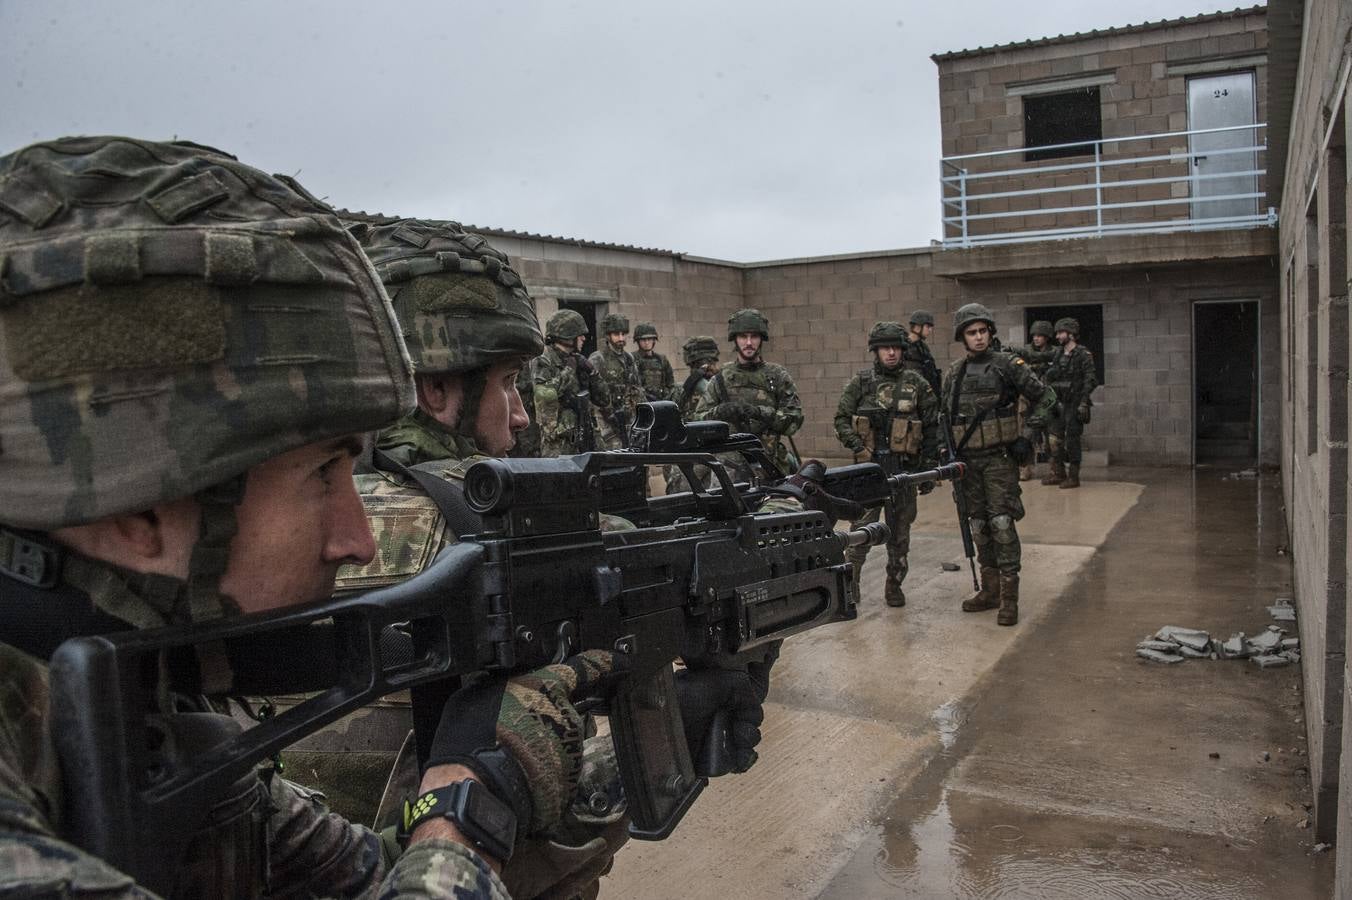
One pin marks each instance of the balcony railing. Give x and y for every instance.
(1133, 185)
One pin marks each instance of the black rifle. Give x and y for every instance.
(540, 582)
(949, 455)
(584, 432)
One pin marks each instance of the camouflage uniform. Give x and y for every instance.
(659, 381)
(701, 355)
(987, 386)
(1073, 376)
(889, 416)
(757, 397)
(567, 389)
(623, 383)
(170, 324)
(1037, 360)
(916, 354)
(528, 439)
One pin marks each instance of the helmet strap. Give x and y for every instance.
(211, 553)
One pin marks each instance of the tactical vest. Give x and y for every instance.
(1060, 374)
(888, 415)
(652, 372)
(983, 395)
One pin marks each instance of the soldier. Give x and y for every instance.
(887, 414)
(191, 349)
(623, 382)
(654, 371)
(1074, 378)
(1038, 353)
(980, 391)
(701, 355)
(566, 388)
(754, 396)
(918, 355)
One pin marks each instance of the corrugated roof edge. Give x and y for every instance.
(1100, 32)
(382, 219)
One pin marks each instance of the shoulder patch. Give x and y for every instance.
(408, 531)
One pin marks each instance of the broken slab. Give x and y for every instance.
(1159, 656)
(1234, 648)
(1266, 642)
(1187, 637)
(1270, 661)
(1162, 646)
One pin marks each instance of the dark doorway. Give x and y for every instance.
(1090, 317)
(587, 311)
(1225, 381)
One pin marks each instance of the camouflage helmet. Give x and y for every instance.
(1042, 327)
(172, 318)
(614, 322)
(699, 349)
(1068, 324)
(645, 330)
(459, 304)
(922, 317)
(969, 313)
(887, 334)
(748, 321)
(565, 325)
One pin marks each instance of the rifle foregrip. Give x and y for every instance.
(660, 783)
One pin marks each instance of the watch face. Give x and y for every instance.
(495, 817)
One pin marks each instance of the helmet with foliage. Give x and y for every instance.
(969, 313)
(922, 317)
(645, 330)
(173, 317)
(1042, 327)
(565, 325)
(887, 334)
(1068, 324)
(612, 323)
(748, 321)
(460, 305)
(699, 350)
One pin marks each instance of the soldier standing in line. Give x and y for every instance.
(654, 370)
(1038, 353)
(754, 396)
(620, 373)
(528, 439)
(917, 352)
(889, 415)
(1074, 378)
(566, 388)
(701, 355)
(980, 394)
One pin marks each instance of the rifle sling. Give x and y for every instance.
(973, 425)
(449, 496)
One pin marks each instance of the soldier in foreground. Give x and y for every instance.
(192, 348)
(752, 395)
(701, 356)
(1038, 353)
(1072, 374)
(567, 388)
(623, 384)
(981, 391)
(887, 414)
(918, 356)
(659, 381)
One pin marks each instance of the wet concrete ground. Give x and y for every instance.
(924, 752)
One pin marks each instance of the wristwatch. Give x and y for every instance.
(489, 823)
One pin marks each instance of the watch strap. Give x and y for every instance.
(481, 817)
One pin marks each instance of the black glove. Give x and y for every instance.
(584, 366)
(512, 733)
(924, 488)
(1083, 413)
(731, 698)
(691, 382)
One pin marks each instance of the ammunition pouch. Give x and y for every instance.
(997, 428)
(863, 426)
(904, 436)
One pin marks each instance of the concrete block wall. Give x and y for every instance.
(1314, 322)
(981, 110)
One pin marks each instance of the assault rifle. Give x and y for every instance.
(949, 455)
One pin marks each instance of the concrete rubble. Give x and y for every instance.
(1269, 649)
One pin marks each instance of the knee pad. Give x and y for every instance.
(1003, 528)
(980, 534)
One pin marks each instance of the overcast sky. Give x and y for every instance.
(738, 130)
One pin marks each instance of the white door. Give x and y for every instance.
(1221, 101)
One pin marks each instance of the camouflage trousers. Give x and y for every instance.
(900, 514)
(994, 504)
(677, 483)
(1063, 433)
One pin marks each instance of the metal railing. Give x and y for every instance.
(1010, 205)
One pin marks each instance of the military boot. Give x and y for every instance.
(1009, 600)
(989, 595)
(1072, 477)
(1057, 473)
(1026, 473)
(893, 593)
